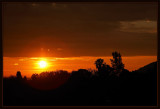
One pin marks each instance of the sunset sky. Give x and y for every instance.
(67, 30)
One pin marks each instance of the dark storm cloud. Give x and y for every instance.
(91, 29)
(107, 11)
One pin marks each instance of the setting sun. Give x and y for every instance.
(42, 64)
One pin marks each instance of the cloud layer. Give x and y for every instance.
(79, 29)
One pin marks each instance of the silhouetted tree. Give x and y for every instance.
(103, 68)
(80, 75)
(18, 75)
(25, 78)
(107, 68)
(92, 71)
(85, 73)
(34, 76)
(117, 64)
(99, 64)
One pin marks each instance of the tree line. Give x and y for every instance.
(108, 86)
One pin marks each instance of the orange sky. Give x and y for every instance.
(29, 65)
(82, 32)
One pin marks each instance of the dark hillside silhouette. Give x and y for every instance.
(107, 86)
(152, 67)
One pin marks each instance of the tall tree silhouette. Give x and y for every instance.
(117, 64)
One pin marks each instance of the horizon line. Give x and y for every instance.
(79, 56)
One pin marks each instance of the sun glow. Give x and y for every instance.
(42, 64)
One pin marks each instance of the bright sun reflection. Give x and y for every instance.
(42, 64)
